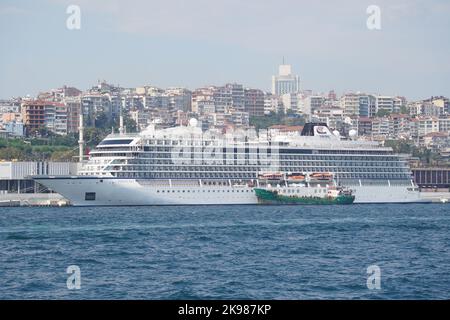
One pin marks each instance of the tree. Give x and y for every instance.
(67, 155)
(11, 153)
(129, 123)
(404, 110)
(102, 120)
(383, 113)
(400, 146)
(93, 136)
(267, 121)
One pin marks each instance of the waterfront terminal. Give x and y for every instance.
(434, 183)
(18, 189)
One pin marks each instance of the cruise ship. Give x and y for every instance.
(185, 166)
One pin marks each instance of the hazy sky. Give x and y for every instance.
(199, 42)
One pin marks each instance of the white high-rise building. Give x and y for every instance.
(285, 82)
(358, 104)
(385, 103)
(290, 102)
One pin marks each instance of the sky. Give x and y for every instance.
(195, 43)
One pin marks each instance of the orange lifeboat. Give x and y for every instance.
(296, 177)
(321, 176)
(271, 176)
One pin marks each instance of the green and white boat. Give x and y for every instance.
(312, 190)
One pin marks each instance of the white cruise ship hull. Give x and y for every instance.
(96, 191)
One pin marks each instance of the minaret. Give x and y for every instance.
(81, 138)
(121, 124)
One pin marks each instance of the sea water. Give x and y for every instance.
(226, 252)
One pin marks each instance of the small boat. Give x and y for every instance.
(304, 195)
(315, 188)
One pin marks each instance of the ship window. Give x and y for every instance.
(89, 196)
(120, 141)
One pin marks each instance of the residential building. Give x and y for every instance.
(444, 124)
(254, 102)
(382, 127)
(14, 128)
(56, 118)
(350, 104)
(400, 125)
(33, 115)
(237, 96)
(400, 103)
(436, 141)
(290, 102)
(141, 117)
(443, 103)
(427, 125)
(73, 105)
(179, 99)
(364, 126)
(385, 103)
(203, 101)
(272, 103)
(312, 104)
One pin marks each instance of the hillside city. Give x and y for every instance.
(46, 127)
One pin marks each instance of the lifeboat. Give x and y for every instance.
(271, 176)
(296, 177)
(326, 176)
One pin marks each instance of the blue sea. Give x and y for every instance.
(226, 252)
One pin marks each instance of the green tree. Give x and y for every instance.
(11, 153)
(289, 119)
(66, 155)
(129, 123)
(383, 113)
(404, 110)
(93, 136)
(400, 146)
(102, 121)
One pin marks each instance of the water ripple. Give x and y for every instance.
(220, 252)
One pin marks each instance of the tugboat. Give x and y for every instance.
(315, 189)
